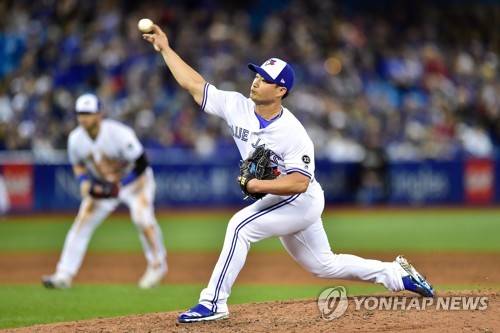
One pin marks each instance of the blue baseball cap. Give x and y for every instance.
(277, 71)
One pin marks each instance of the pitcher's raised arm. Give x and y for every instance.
(185, 75)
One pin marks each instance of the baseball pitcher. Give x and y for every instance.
(290, 202)
(111, 167)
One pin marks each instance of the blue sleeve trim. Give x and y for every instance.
(82, 178)
(129, 178)
(307, 174)
(205, 93)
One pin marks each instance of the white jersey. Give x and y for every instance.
(116, 146)
(296, 219)
(292, 149)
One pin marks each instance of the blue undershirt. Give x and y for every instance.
(264, 123)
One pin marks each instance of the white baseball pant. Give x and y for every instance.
(296, 220)
(139, 197)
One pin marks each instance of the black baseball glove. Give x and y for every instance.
(255, 166)
(101, 189)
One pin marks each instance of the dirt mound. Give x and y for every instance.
(447, 315)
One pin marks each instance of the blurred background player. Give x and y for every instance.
(111, 167)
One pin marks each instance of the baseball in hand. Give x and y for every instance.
(145, 25)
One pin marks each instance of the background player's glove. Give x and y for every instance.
(255, 166)
(100, 189)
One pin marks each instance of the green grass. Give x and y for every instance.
(461, 230)
(349, 231)
(425, 230)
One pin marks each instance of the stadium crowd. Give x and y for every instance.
(414, 79)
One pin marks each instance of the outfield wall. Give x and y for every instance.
(42, 186)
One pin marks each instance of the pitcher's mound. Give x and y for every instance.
(451, 311)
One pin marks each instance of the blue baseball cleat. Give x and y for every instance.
(414, 281)
(201, 313)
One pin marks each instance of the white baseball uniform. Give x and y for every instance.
(115, 147)
(295, 219)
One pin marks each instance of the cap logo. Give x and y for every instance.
(270, 62)
(276, 71)
(88, 103)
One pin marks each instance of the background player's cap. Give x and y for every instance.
(88, 103)
(277, 71)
